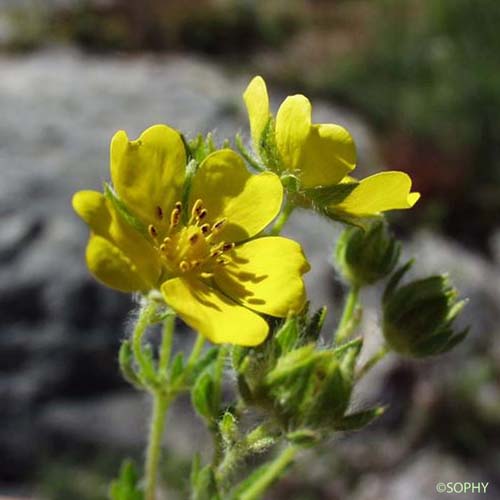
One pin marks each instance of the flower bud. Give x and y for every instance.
(367, 256)
(418, 317)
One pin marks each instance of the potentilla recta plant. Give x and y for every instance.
(193, 231)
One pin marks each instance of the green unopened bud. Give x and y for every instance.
(418, 317)
(290, 182)
(308, 388)
(367, 256)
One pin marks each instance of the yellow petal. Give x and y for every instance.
(103, 219)
(91, 207)
(380, 192)
(212, 314)
(327, 156)
(112, 267)
(293, 123)
(148, 173)
(228, 190)
(265, 275)
(257, 104)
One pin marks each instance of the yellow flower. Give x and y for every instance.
(320, 155)
(199, 254)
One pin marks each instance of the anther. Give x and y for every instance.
(175, 217)
(194, 238)
(159, 213)
(197, 208)
(205, 228)
(167, 240)
(163, 247)
(227, 246)
(178, 206)
(219, 224)
(184, 266)
(152, 231)
(202, 214)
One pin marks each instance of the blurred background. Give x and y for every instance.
(417, 83)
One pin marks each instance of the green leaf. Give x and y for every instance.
(202, 396)
(228, 427)
(125, 359)
(204, 362)
(356, 421)
(126, 486)
(287, 335)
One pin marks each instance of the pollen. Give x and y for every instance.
(190, 247)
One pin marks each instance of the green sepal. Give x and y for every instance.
(268, 149)
(126, 486)
(203, 396)
(124, 212)
(287, 336)
(314, 326)
(228, 427)
(325, 196)
(200, 147)
(356, 421)
(363, 223)
(246, 154)
(126, 360)
(304, 437)
(396, 278)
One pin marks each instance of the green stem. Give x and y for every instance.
(270, 475)
(371, 362)
(217, 395)
(347, 321)
(161, 403)
(143, 321)
(282, 219)
(195, 352)
(166, 346)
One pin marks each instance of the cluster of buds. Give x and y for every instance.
(307, 389)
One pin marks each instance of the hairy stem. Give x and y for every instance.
(166, 345)
(272, 473)
(218, 375)
(161, 403)
(143, 321)
(348, 321)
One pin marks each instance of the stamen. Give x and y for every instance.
(221, 261)
(167, 240)
(205, 229)
(163, 247)
(202, 214)
(197, 208)
(227, 246)
(152, 231)
(184, 266)
(194, 238)
(159, 213)
(219, 225)
(175, 217)
(178, 206)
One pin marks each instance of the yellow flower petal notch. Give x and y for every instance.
(319, 157)
(147, 235)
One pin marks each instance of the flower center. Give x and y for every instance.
(190, 247)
